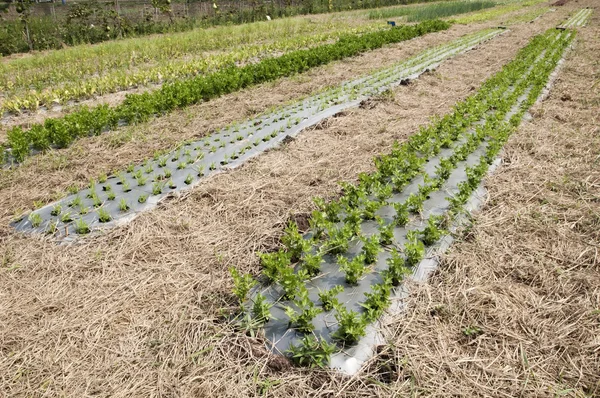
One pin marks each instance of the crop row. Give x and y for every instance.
(61, 132)
(42, 92)
(112, 198)
(501, 10)
(39, 70)
(578, 19)
(432, 11)
(366, 242)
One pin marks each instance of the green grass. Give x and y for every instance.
(432, 11)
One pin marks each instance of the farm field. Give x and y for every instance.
(162, 251)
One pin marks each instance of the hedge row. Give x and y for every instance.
(61, 132)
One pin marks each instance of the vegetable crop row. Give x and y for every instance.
(61, 132)
(46, 89)
(181, 168)
(432, 11)
(338, 227)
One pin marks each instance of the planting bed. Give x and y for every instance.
(578, 19)
(320, 293)
(113, 200)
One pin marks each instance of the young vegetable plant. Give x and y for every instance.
(311, 263)
(339, 239)
(302, 319)
(261, 309)
(123, 206)
(291, 282)
(371, 248)
(376, 301)
(432, 232)
(35, 219)
(401, 217)
(293, 241)
(56, 209)
(103, 215)
(142, 198)
(242, 284)
(354, 269)
(328, 297)
(352, 326)
(189, 179)
(396, 269)
(312, 352)
(274, 263)
(386, 232)
(66, 217)
(81, 227)
(413, 248)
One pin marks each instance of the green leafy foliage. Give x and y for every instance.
(242, 284)
(261, 309)
(312, 352)
(351, 326)
(302, 318)
(414, 249)
(328, 297)
(354, 269)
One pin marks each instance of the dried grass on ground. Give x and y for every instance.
(138, 312)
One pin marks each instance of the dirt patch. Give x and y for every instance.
(138, 311)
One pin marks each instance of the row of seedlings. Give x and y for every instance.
(118, 197)
(578, 19)
(325, 287)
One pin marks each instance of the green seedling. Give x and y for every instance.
(157, 188)
(371, 207)
(415, 203)
(111, 196)
(261, 309)
(168, 173)
(143, 198)
(123, 206)
(376, 301)
(66, 217)
(328, 297)
(96, 200)
(162, 162)
(311, 263)
(274, 263)
(35, 219)
(181, 165)
(171, 184)
(352, 326)
(293, 240)
(126, 187)
(201, 171)
(130, 168)
(396, 269)
(339, 239)
(107, 188)
(432, 232)
(371, 248)
(242, 284)
(291, 282)
(103, 215)
(213, 166)
(83, 209)
(51, 228)
(307, 311)
(81, 227)
(354, 269)
(56, 209)
(386, 233)
(414, 249)
(141, 180)
(401, 217)
(149, 169)
(312, 352)
(76, 201)
(189, 179)
(102, 179)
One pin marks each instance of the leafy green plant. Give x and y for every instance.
(103, 215)
(386, 232)
(371, 206)
(302, 319)
(111, 196)
(35, 219)
(75, 202)
(142, 198)
(351, 326)
(274, 263)
(242, 284)
(56, 209)
(291, 282)
(123, 206)
(82, 227)
(339, 239)
(376, 301)
(354, 269)
(328, 297)
(396, 269)
(401, 217)
(414, 249)
(371, 248)
(311, 352)
(261, 309)
(189, 179)
(311, 263)
(66, 217)
(414, 203)
(432, 232)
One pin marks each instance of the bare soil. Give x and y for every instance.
(138, 311)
